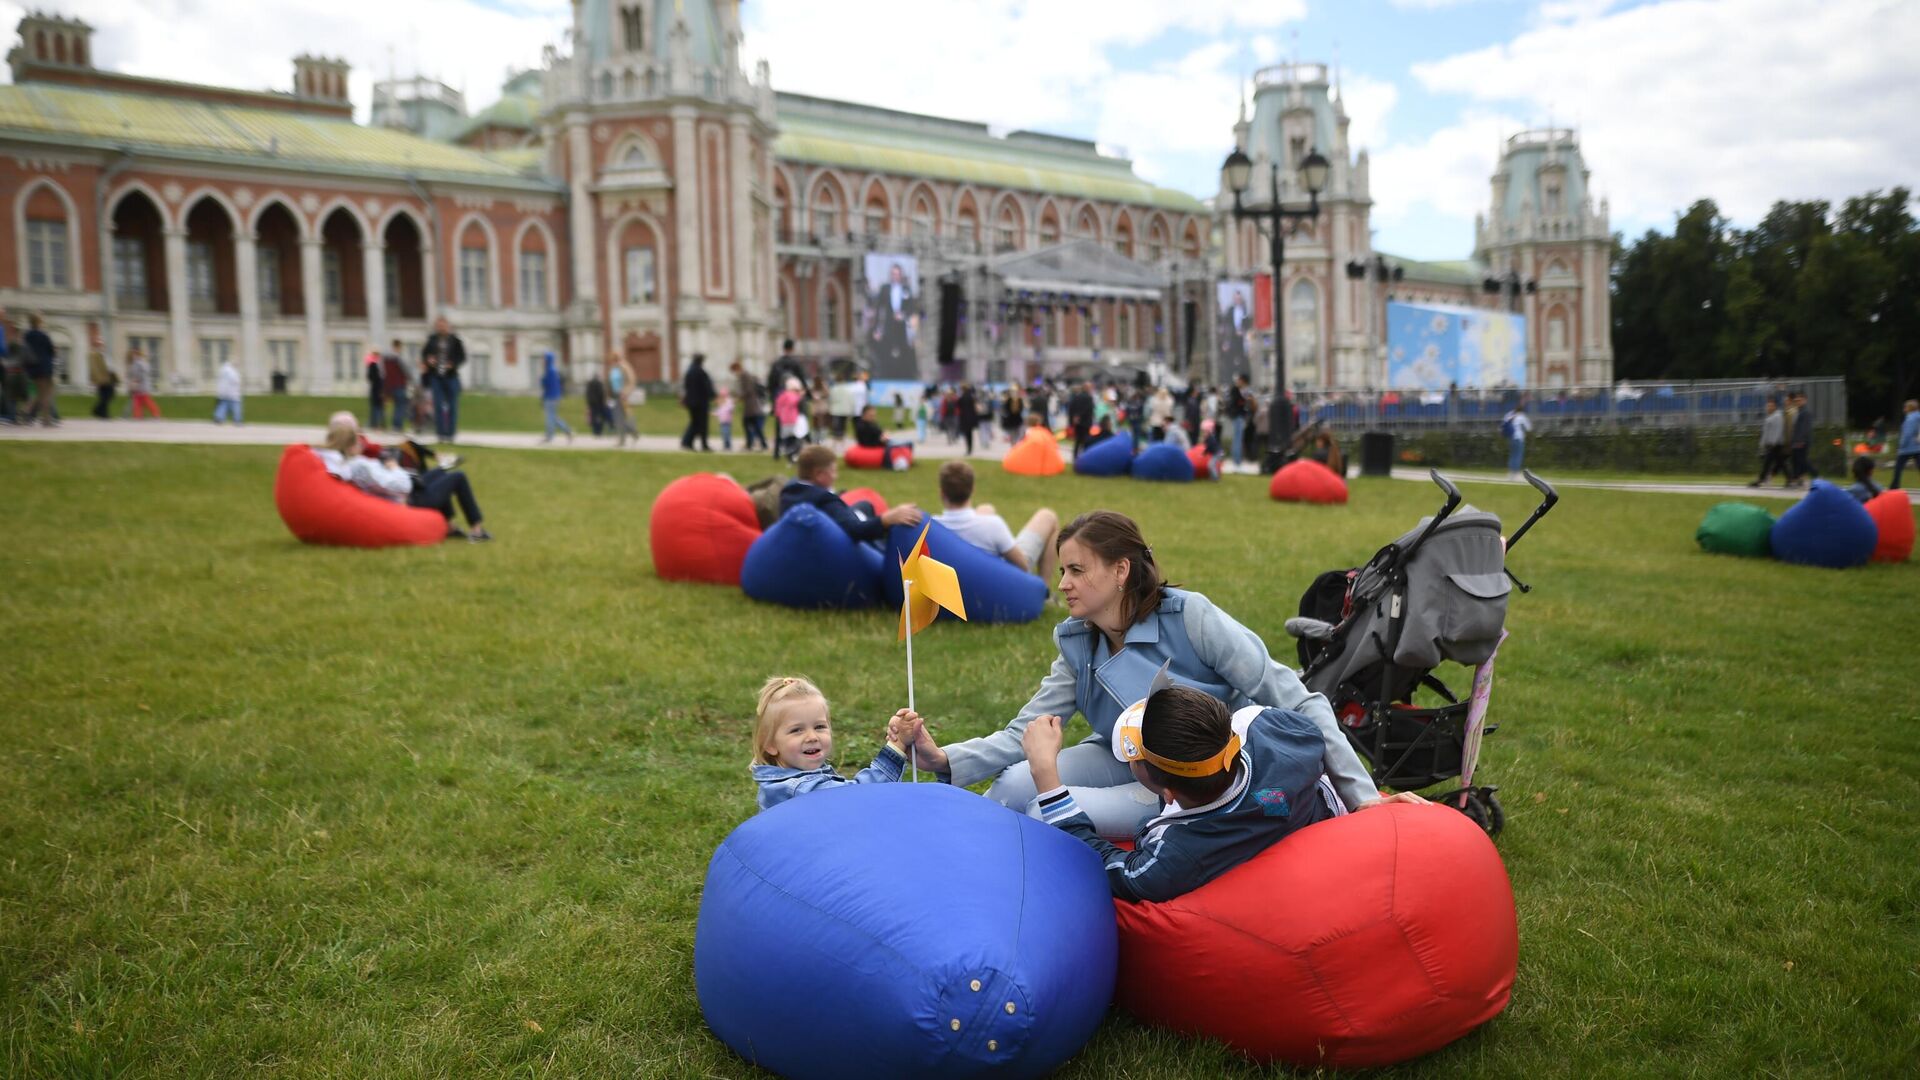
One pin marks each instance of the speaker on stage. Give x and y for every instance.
(950, 300)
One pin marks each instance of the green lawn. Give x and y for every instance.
(446, 812)
(660, 415)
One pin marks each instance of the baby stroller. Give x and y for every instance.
(1369, 638)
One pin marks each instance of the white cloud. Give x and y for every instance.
(1445, 174)
(1743, 102)
(1368, 101)
(251, 46)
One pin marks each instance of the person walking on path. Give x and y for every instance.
(396, 378)
(226, 393)
(40, 355)
(617, 401)
(723, 415)
(1800, 439)
(100, 374)
(376, 373)
(1080, 418)
(441, 359)
(1515, 426)
(696, 393)
(1773, 445)
(551, 391)
(1908, 449)
(140, 385)
(753, 406)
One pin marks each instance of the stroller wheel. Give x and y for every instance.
(1483, 806)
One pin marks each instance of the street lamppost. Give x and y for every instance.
(1275, 219)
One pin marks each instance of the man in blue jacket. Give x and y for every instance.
(1909, 449)
(816, 469)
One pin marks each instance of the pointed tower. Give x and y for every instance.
(1296, 111)
(1542, 224)
(666, 145)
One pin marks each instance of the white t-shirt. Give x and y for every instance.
(1521, 425)
(988, 532)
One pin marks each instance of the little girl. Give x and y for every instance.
(793, 743)
(723, 412)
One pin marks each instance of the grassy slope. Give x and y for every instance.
(348, 813)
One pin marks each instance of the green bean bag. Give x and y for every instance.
(1736, 529)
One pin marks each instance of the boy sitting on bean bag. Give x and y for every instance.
(1233, 787)
(815, 470)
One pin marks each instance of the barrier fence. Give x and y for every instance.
(1702, 405)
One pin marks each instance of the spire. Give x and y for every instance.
(1336, 69)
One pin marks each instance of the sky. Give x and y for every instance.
(1742, 101)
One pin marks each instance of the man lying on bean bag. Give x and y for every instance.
(1032, 550)
(816, 468)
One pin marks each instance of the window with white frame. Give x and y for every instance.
(150, 346)
(130, 272)
(213, 353)
(479, 367)
(533, 279)
(473, 277)
(392, 261)
(639, 265)
(330, 273)
(284, 356)
(831, 332)
(200, 296)
(267, 270)
(46, 254)
(346, 356)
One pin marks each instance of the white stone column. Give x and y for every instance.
(373, 260)
(687, 304)
(179, 311)
(246, 285)
(745, 288)
(586, 283)
(313, 294)
(430, 277)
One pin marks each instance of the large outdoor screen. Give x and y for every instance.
(1434, 346)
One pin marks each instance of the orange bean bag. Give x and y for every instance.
(1892, 513)
(1308, 481)
(1361, 941)
(320, 509)
(876, 457)
(700, 528)
(1037, 454)
(870, 495)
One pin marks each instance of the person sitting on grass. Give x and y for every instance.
(1032, 550)
(1231, 787)
(815, 469)
(376, 470)
(1863, 487)
(793, 743)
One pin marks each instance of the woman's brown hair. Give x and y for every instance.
(1114, 536)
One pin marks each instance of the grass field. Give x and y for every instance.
(446, 812)
(660, 415)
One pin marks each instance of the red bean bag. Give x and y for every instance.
(1037, 454)
(1892, 513)
(877, 457)
(319, 509)
(1308, 481)
(700, 528)
(870, 495)
(1361, 941)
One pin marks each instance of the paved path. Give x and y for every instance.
(202, 432)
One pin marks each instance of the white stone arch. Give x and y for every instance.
(914, 192)
(996, 210)
(982, 207)
(1040, 208)
(359, 216)
(631, 139)
(616, 284)
(1126, 215)
(875, 183)
(1155, 224)
(400, 210)
(1087, 209)
(287, 202)
(828, 180)
(167, 219)
(74, 281)
(459, 233)
(784, 178)
(235, 215)
(535, 224)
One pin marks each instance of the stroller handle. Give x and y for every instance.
(1446, 485)
(1548, 497)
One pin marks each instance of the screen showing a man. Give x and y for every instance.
(894, 311)
(1236, 322)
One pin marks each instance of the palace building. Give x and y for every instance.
(641, 196)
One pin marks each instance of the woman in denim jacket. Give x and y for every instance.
(1125, 621)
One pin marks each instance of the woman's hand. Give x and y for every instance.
(913, 736)
(1042, 741)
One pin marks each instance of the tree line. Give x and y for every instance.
(1807, 291)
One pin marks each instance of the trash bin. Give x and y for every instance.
(279, 382)
(1376, 453)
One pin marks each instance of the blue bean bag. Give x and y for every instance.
(1111, 456)
(994, 589)
(807, 561)
(1827, 528)
(1163, 461)
(832, 944)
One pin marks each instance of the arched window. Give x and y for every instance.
(476, 269)
(639, 265)
(533, 277)
(922, 217)
(1049, 227)
(1123, 237)
(834, 307)
(967, 227)
(1557, 330)
(49, 255)
(826, 213)
(1006, 229)
(1303, 332)
(877, 222)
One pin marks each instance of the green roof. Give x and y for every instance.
(516, 111)
(1445, 272)
(880, 140)
(187, 129)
